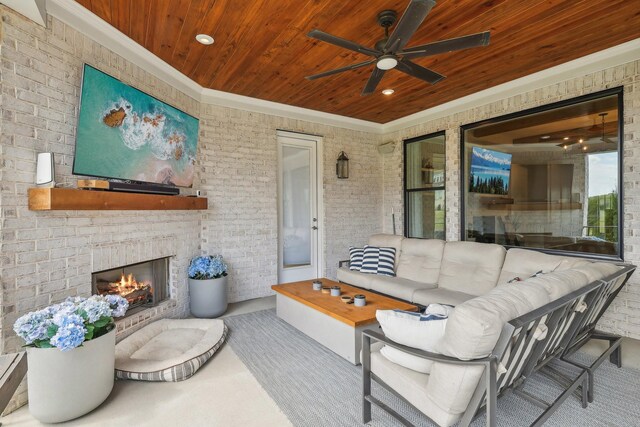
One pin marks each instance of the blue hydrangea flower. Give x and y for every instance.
(69, 321)
(95, 308)
(117, 304)
(62, 320)
(33, 326)
(207, 267)
(69, 336)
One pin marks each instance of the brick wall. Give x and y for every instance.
(238, 166)
(624, 315)
(48, 256)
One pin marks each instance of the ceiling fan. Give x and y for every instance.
(390, 51)
(596, 128)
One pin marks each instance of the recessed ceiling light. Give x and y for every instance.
(566, 138)
(388, 92)
(584, 148)
(204, 39)
(581, 140)
(545, 137)
(564, 146)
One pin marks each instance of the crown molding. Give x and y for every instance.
(73, 14)
(611, 57)
(226, 99)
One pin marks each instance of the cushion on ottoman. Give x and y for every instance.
(169, 349)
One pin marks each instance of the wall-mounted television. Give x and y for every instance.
(126, 134)
(490, 171)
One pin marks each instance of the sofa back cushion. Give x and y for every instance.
(559, 283)
(470, 267)
(420, 260)
(523, 263)
(472, 331)
(598, 270)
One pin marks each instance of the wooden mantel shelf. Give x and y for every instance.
(47, 199)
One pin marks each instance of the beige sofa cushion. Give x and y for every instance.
(559, 283)
(523, 263)
(439, 296)
(599, 270)
(388, 241)
(397, 287)
(420, 260)
(472, 332)
(471, 267)
(355, 278)
(412, 386)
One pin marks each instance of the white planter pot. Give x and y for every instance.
(208, 298)
(64, 385)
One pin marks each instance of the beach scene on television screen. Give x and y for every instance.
(490, 171)
(123, 133)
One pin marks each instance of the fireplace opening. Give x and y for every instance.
(143, 284)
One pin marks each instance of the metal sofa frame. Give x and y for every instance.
(586, 328)
(568, 326)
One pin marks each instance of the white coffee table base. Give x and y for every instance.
(342, 339)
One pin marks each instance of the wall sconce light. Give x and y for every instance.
(342, 166)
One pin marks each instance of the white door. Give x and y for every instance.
(298, 195)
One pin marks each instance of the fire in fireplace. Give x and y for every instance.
(143, 284)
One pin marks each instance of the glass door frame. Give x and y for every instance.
(406, 191)
(319, 180)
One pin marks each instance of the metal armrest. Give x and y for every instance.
(344, 262)
(377, 336)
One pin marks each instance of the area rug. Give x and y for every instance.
(315, 387)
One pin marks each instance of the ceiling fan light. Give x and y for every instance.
(387, 63)
(388, 92)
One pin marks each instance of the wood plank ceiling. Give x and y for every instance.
(261, 49)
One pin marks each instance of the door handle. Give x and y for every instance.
(314, 228)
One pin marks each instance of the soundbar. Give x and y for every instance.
(127, 187)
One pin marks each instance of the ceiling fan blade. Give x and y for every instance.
(418, 71)
(340, 70)
(408, 24)
(346, 44)
(458, 43)
(373, 81)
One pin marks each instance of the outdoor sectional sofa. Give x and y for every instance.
(515, 312)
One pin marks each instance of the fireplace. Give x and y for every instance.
(144, 284)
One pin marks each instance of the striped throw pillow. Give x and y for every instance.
(355, 258)
(378, 260)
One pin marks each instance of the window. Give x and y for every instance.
(424, 205)
(547, 178)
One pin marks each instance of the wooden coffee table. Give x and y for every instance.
(331, 322)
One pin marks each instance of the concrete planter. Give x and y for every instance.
(208, 298)
(64, 385)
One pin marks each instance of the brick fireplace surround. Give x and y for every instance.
(47, 256)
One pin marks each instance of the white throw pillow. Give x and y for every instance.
(413, 329)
